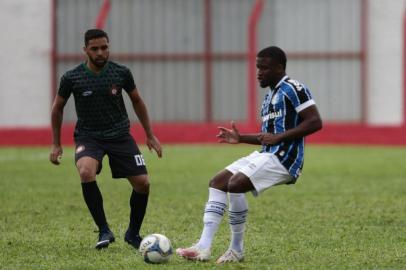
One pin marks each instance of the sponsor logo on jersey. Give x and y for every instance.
(87, 93)
(272, 115)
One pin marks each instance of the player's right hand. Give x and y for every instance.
(228, 135)
(56, 154)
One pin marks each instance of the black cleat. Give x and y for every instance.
(133, 239)
(105, 239)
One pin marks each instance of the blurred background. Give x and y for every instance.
(194, 62)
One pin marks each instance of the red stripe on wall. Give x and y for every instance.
(103, 13)
(181, 133)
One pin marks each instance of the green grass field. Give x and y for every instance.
(347, 211)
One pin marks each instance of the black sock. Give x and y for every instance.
(138, 204)
(94, 201)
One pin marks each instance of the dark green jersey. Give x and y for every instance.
(98, 99)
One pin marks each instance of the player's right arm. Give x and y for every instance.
(56, 122)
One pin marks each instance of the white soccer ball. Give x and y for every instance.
(156, 248)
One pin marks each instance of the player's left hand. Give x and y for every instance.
(153, 143)
(268, 138)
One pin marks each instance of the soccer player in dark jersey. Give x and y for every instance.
(288, 115)
(103, 128)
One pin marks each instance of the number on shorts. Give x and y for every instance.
(139, 160)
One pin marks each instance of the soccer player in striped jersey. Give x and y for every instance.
(103, 128)
(288, 114)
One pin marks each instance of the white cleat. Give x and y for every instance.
(230, 256)
(194, 253)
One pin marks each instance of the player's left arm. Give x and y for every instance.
(141, 111)
(311, 122)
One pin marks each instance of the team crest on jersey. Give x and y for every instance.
(297, 84)
(79, 149)
(115, 90)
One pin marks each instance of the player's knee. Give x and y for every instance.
(236, 184)
(218, 184)
(143, 186)
(220, 180)
(212, 183)
(232, 186)
(86, 174)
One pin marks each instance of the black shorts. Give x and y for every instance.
(125, 159)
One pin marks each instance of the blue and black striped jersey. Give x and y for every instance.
(280, 112)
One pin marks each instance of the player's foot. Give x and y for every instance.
(230, 256)
(194, 253)
(133, 239)
(105, 239)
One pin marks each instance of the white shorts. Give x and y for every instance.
(263, 169)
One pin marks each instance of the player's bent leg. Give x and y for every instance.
(238, 212)
(138, 205)
(213, 214)
(238, 184)
(87, 168)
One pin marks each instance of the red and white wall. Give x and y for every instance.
(26, 78)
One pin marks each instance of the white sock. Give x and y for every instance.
(213, 214)
(238, 214)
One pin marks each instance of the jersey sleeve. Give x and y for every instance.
(299, 95)
(129, 84)
(65, 87)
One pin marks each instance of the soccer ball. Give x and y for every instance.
(156, 248)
